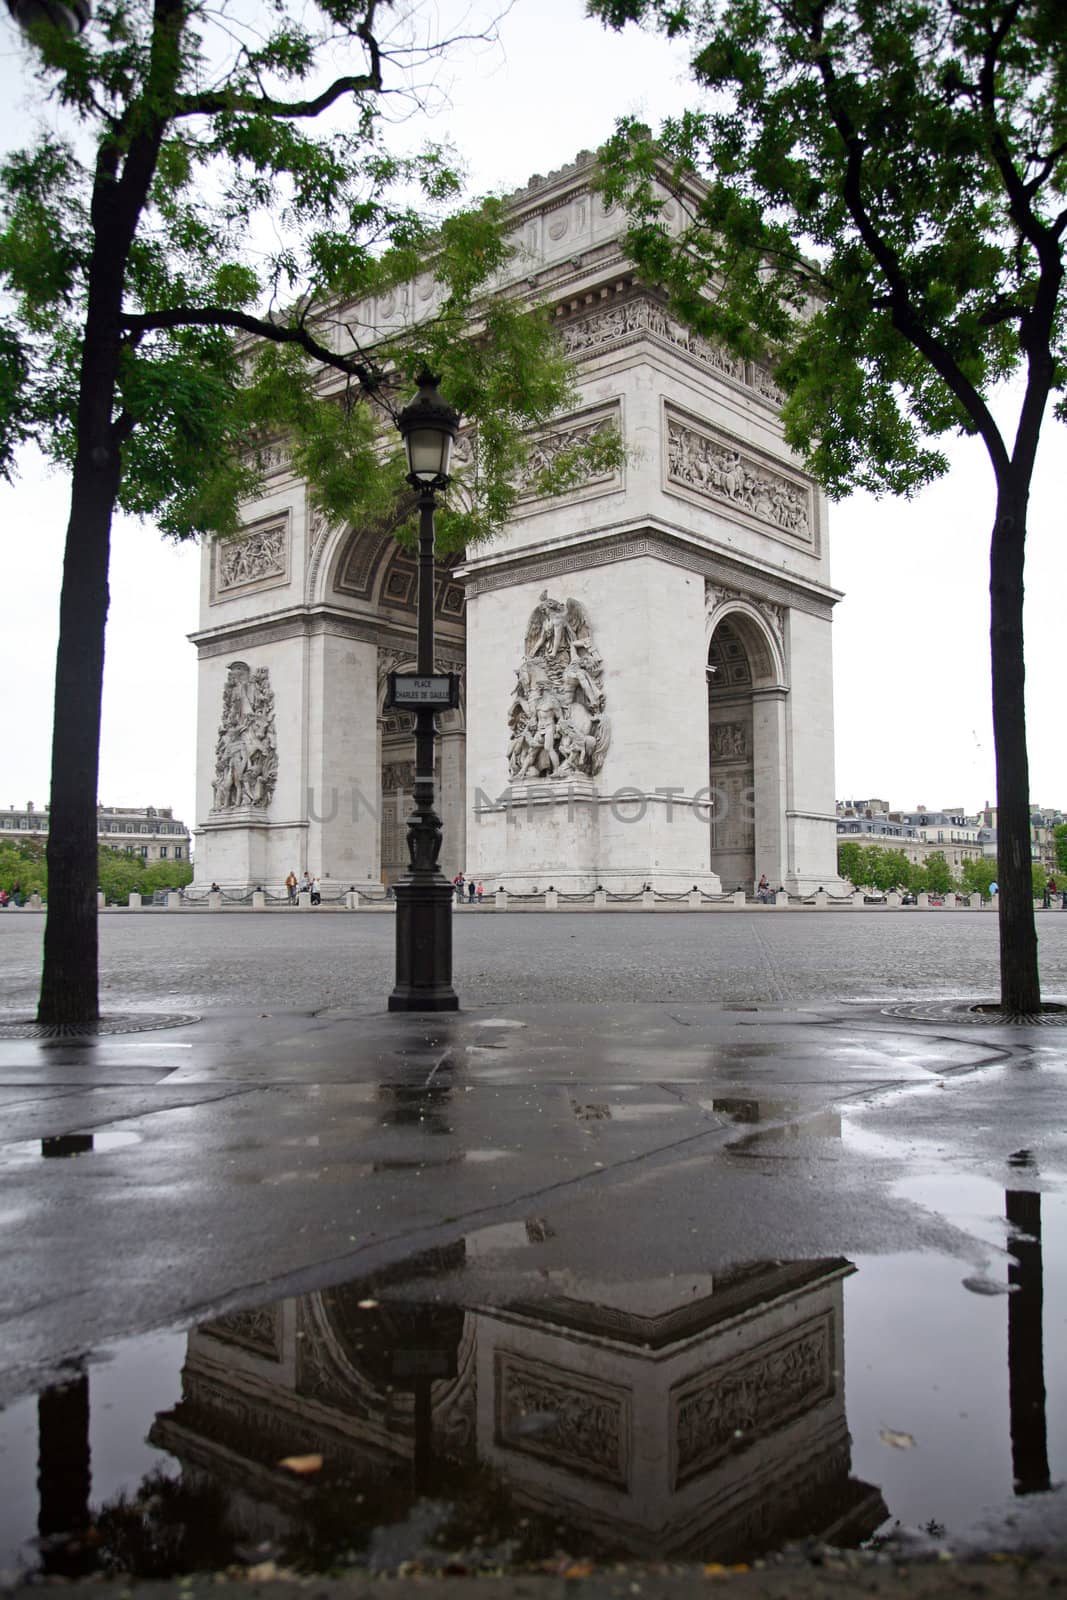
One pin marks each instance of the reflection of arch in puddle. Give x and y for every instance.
(659, 1419)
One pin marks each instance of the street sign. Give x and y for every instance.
(407, 691)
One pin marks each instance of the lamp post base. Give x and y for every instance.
(424, 947)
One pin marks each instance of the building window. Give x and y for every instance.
(162, 852)
(129, 827)
(177, 852)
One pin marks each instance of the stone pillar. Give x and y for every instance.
(738, 898)
(600, 897)
(342, 797)
(500, 900)
(694, 898)
(892, 898)
(648, 899)
(174, 900)
(781, 898)
(551, 899)
(923, 900)
(303, 900)
(214, 900)
(101, 899)
(822, 899)
(975, 902)
(259, 900)
(769, 782)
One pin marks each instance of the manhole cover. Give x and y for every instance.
(980, 1013)
(118, 1022)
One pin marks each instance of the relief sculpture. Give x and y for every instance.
(556, 722)
(713, 467)
(258, 555)
(246, 755)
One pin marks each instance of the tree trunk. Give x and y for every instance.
(1020, 987)
(69, 986)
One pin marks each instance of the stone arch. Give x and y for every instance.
(747, 689)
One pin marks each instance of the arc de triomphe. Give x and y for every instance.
(646, 661)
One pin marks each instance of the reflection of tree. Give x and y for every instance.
(1026, 1361)
(64, 1477)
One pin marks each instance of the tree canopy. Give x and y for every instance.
(873, 194)
(260, 227)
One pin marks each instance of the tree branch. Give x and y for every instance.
(903, 314)
(369, 378)
(370, 82)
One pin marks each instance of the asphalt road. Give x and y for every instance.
(198, 960)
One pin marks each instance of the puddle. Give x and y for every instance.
(711, 1417)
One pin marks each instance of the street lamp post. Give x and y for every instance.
(424, 896)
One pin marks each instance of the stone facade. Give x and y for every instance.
(647, 690)
(149, 831)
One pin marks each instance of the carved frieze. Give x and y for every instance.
(557, 727)
(257, 557)
(398, 776)
(644, 315)
(548, 447)
(733, 1405)
(246, 753)
(589, 1436)
(714, 467)
(258, 1330)
(729, 741)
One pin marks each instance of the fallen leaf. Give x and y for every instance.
(579, 1569)
(899, 1441)
(301, 1464)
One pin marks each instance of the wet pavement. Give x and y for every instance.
(531, 1289)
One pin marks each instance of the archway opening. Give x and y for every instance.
(731, 758)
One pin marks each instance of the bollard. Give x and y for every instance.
(35, 901)
(856, 902)
(135, 901)
(174, 900)
(821, 898)
(648, 897)
(923, 899)
(303, 900)
(101, 899)
(694, 897)
(738, 898)
(994, 901)
(781, 898)
(551, 899)
(600, 897)
(259, 900)
(893, 898)
(352, 900)
(214, 900)
(975, 902)
(501, 901)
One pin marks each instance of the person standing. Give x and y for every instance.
(471, 890)
(481, 891)
(457, 884)
(290, 887)
(1050, 890)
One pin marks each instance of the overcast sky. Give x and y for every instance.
(911, 656)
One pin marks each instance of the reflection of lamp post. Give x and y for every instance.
(424, 896)
(69, 16)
